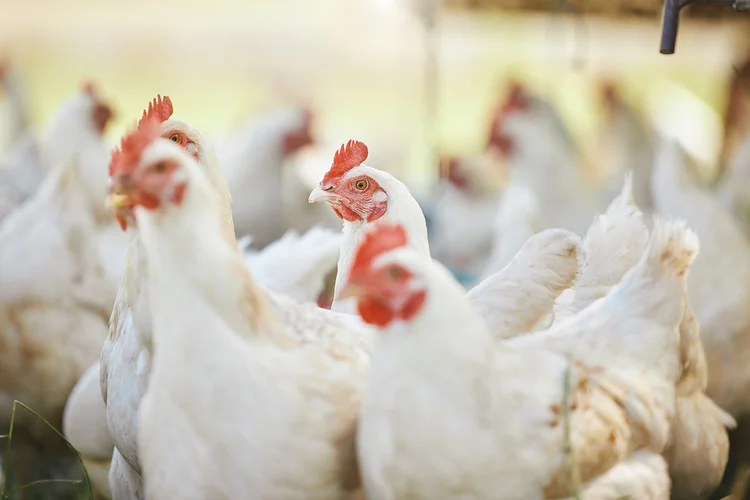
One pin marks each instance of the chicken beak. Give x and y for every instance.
(320, 194)
(118, 200)
(351, 290)
(120, 192)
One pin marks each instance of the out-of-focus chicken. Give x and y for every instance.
(296, 265)
(361, 195)
(733, 189)
(467, 200)
(75, 130)
(624, 146)
(737, 114)
(543, 158)
(517, 219)
(724, 264)
(253, 159)
(54, 291)
(55, 297)
(225, 357)
(494, 424)
(16, 120)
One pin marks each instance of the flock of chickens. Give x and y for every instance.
(599, 352)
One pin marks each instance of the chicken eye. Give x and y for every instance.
(175, 138)
(393, 273)
(160, 167)
(361, 185)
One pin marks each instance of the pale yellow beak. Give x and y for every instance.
(118, 200)
(319, 194)
(351, 290)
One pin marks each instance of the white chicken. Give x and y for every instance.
(361, 195)
(624, 146)
(733, 189)
(517, 219)
(75, 129)
(253, 158)
(294, 389)
(458, 414)
(467, 199)
(53, 311)
(296, 265)
(697, 453)
(543, 158)
(126, 359)
(16, 119)
(724, 265)
(365, 197)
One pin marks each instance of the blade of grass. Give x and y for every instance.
(43, 481)
(6, 464)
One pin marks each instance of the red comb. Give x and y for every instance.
(382, 239)
(517, 100)
(126, 158)
(159, 109)
(609, 92)
(350, 155)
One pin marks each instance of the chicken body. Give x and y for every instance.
(619, 399)
(287, 395)
(253, 159)
(54, 311)
(543, 158)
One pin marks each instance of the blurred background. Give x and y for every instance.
(377, 70)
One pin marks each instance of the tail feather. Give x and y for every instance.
(614, 244)
(672, 250)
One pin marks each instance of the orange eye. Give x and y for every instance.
(160, 167)
(361, 185)
(175, 138)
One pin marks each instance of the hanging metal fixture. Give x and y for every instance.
(670, 20)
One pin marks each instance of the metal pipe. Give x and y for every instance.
(670, 23)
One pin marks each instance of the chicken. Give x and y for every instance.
(625, 145)
(17, 119)
(723, 265)
(253, 158)
(516, 220)
(697, 453)
(361, 195)
(734, 186)
(296, 265)
(85, 427)
(53, 312)
(469, 418)
(75, 129)
(55, 298)
(467, 199)
(222, 347)
(125, 361)
(543, 158)
(365, 197)
(736, 114)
